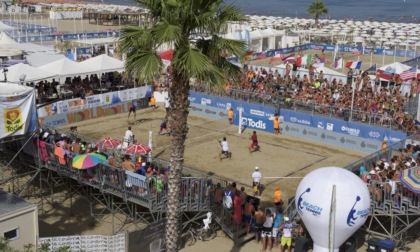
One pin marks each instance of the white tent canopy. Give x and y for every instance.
(5, 27)
(13, 89)
(97, 41)
(31, 48)
(6, 40)
(16, 73)
(67, 68)
(399, 67)
(103, 64)
(38, 59)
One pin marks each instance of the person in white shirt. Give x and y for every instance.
(225, 149)
(167, 104)
(128, 137)
(266, 233)
(256, 177)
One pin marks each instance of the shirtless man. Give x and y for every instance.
(259, 221)
(127, 164)
(248, 211)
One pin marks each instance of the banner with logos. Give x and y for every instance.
(332, 138)
(92, 101)
(254, 116)
(18, 114)
(342, 127)
(258, 117)
(56, 120)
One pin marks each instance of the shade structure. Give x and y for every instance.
(86, 161)
(108, 143)
(26, 73)
(167, 55)
(137, 149)
(103, 64)
(410, 178)
(67, 68)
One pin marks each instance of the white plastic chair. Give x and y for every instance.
(207, 221)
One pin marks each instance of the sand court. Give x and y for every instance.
(282, 160)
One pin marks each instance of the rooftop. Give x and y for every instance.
(11, 203)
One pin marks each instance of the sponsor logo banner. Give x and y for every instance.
(339, 126)
(18, 114)
(93, 101)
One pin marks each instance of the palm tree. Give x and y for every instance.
(317, 9)
(193, 28)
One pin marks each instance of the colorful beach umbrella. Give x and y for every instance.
(410, 178)
(86, 161)
(138, 149)
(108, 143)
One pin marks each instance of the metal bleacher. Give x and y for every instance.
(138, 196)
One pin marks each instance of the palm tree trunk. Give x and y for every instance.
(179, 112)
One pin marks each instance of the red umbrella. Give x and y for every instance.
(167, 55)
(138, 149)
(108, 143)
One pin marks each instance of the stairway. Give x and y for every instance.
(237, 232)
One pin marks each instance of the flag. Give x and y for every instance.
(354, 64)
(304, 60)
(372, 68)
(299, 61)
(338, 64)
(408, 74)
(309, 59)
(356, 53)
(263, 55)
(276, 57)
(288, 59)
(389, 71)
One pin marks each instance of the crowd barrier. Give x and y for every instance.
(338, 132)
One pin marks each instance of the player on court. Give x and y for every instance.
(225, 149)
(254, 144)
(133, 109)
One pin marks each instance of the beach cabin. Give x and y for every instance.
(18, 220)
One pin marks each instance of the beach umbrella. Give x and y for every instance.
(86, 161)
(410, 178)
(138, 149)
(108, 143)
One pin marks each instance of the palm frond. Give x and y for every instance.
(144, 64)
(164, 32)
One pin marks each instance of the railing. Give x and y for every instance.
(150, 192)
(386, 200)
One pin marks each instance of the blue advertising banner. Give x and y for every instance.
(343, 127)
(250, 121)
(257, 117)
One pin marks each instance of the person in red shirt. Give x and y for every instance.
(254, 144)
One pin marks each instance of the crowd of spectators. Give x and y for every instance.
(79, 86)
(375, 102)
(383, 178)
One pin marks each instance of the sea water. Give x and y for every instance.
(407, 11)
